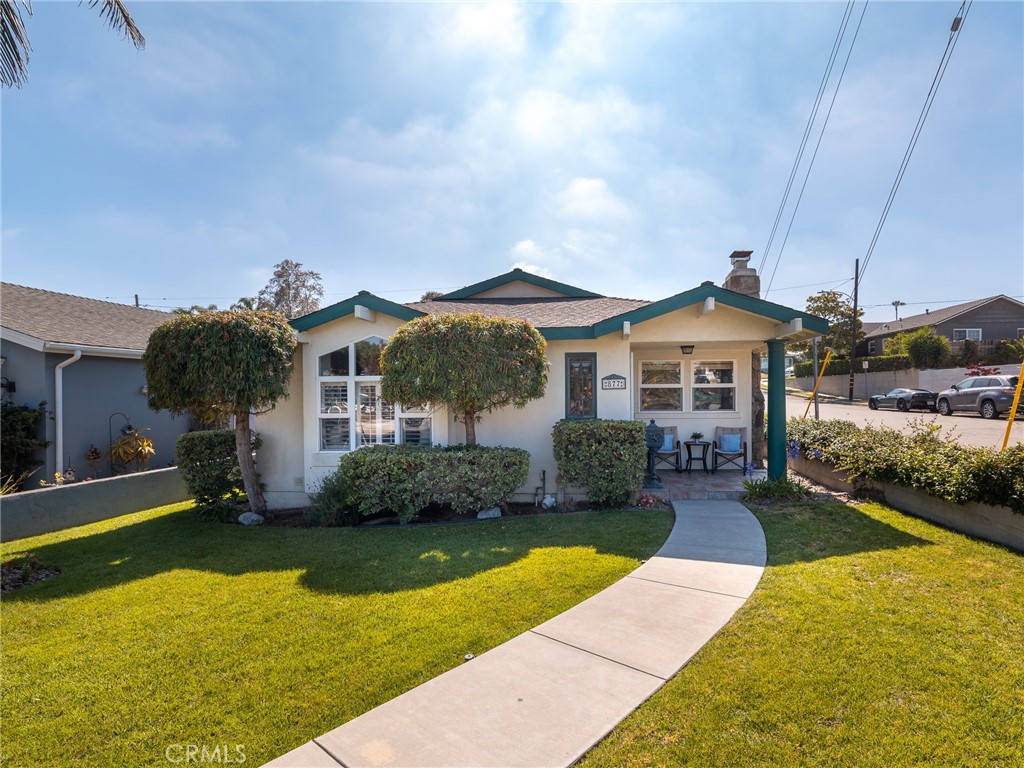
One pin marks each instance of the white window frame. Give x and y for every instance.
(681, 387)
(967, 334)
(352, 383)
(733, 385)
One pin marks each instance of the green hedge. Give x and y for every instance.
(405, 480)
(924, 460)
(208, 463)
(840, 365)
(606, 457)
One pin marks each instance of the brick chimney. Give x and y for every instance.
(743, 279)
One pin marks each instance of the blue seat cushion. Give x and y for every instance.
(667, 445)
(730, 444)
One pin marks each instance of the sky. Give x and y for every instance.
(627, 149)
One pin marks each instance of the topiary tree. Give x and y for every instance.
(232, 362)
(471, 363)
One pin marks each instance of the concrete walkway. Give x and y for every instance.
(546, 697)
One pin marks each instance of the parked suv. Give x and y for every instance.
(988, 395)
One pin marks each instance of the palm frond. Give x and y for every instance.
(14, 45)
(119, 19)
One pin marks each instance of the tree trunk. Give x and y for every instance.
(243, 446)
(470, 419)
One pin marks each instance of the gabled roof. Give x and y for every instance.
(933, 318)
(59, 318)
(565, 317)
(540, 312)
(348, 306)
(518, 275)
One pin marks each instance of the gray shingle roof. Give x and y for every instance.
(65, 319)
(930, 318)
(556, 312)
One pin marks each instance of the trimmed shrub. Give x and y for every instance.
(19, 442)
(838, 366)
(606, 457)
(209, 465)
(329, 503)
(924, 460)
(404, 480)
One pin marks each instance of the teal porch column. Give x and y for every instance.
(776, 409)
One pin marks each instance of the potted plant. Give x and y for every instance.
(696, 437)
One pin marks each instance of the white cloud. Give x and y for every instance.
(492, 28)
(591, 199)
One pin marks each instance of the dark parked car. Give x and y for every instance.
(987, 395)
(903, 399)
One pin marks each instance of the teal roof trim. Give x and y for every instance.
(721, 295)
(525, 277)
(347, 307)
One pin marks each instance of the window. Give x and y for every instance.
(661, 385)
(961, 334)
(352, 412)
(1020, 333)
(713, 386)
(580, 385)
(871, 347)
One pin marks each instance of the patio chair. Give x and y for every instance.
(729, 447)
(671, 451)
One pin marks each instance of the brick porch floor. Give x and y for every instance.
(725, 484)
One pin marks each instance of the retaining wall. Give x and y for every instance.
(44, 510)
(997, 524)
(880, 382)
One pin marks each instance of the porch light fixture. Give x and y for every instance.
(686, 349)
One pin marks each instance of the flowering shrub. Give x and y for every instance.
(23, 570)
(607, 457)
(924, 460)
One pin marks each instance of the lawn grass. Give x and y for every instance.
(164, 630)
(873, 639)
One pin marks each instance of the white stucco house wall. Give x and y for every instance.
(685, 361)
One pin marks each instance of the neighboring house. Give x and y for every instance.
(984, 321)
(686, 361)
(83, 357)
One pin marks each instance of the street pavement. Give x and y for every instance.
(965, 428)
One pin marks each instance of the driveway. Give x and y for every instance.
(965, 428)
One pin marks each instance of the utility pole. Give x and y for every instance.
(136, 299)
(853, 326)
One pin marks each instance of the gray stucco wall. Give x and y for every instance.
(44, 510)
(95, 388)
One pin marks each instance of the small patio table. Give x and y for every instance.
(691, 445)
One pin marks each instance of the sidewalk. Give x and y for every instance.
(546, 697)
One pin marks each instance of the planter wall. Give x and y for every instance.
(33, 513)
(997, 524)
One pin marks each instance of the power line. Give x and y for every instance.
(954, 35)
(807, 129)
(817, 146)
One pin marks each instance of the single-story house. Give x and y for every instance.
(984, 321)
(691, 360)
(83, 357)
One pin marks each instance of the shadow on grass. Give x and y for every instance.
(332, 560)
(807, 531)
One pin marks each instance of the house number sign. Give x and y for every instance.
(613, 381)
